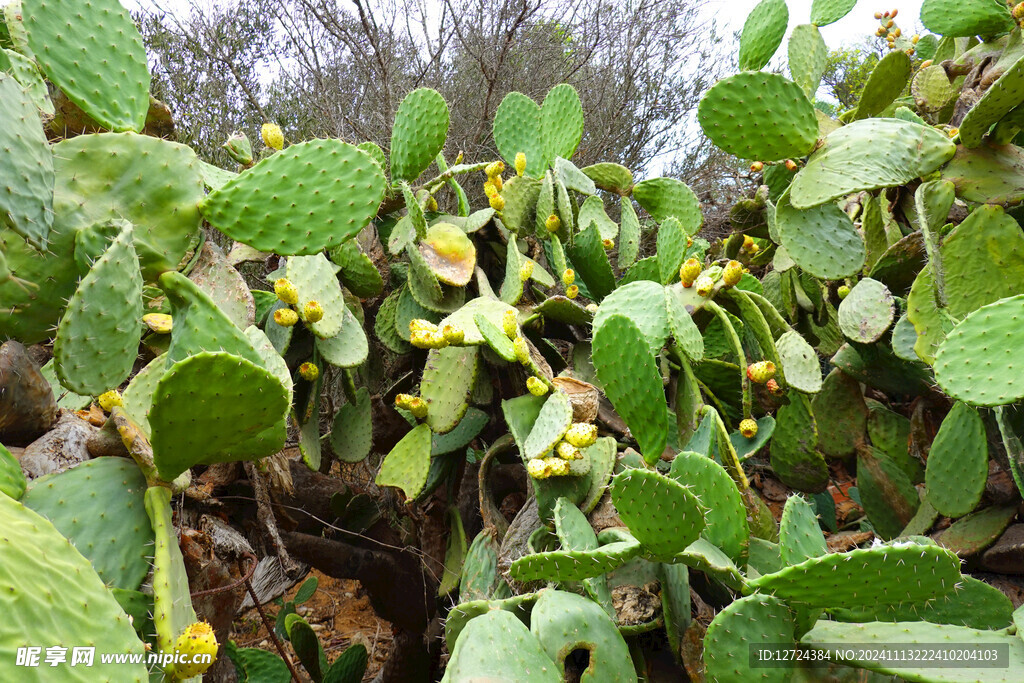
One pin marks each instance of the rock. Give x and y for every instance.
(1006, 556)
(27, 405)
(60, 449)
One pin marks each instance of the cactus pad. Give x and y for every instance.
(12, 479)
(199, 397)
(450, 254)
(53, 597)
(841, 414)
(290, 204)
(966, 18)
(629, 374)
(886, 575)
(638, 301)
(800, 537)
(733, 111)
(447, 384)
(172, 604)
(957, 465)
(799, 363)
(352, 431)
(561, 122)
(977, 363)
(610, 177)
(347, 349)
(314, 278)
(573, 565)
(421, 126)
(755, 618)
(517, 128)
(98, 338)
(825, 12)
(808, 57)
(847, 162)
(762, 34)
(794, 454)
(726, 518)
(822, 240)
(886, 82)
(666, 197)
(407, 465)
(492, 645)
(26, 200)
(591, 263)
(663, 515)
(565, 622)
(552, 422)
(1000, 97)
(98, 60)
(867, 311)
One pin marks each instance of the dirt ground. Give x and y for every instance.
(339, 612)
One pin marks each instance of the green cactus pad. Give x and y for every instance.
(315, 279)
(138, 396)
(930, 322)
(848, 161)
(977, 363)
(421, 126)
(685, 332)
(447, 384)
(974, 604)
(198, 396)
(517, 128)
(755, 618)
(460, 615)
(152, 183)
(425, 288)
(590, 261)
(571, 525)
(667, 197)
(932, 90)
(638, 301)
(407, 465)
(957, 465)
(1000, 97)
(573, 565)
(825, 12)
(762, 34)
(565, 622)
(561, 122)
(98, 338)
(663, 515)
(347, 349)
(26, 74)
(734, 111)
(822, 240)
(841, 415)
(629, 234)
(671, 249)
(972, 534)
(26, 200)
(799, 363)
(726, 518)
(511, 290)
(98, 60)
(867, 311)
(887, 80)
(885, 575)
(800, 537)
(494, 644)
(966, 18)
(794, 454)
(53, 597)
(550, 426)
(257, 207)
(990, 174)
(610, 177)
(79, 502)
(831, 636)
(898, 265)
(480, 570)
(983, 260)
(808, 57)
(358, 273)
(890, 432)
(886, 492)
(12, 479)
(172, 604)
(629, 374)
(352, 430)
(464, 318)
(225, 285)
(592, 211)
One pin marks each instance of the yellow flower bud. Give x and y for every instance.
(522, 350)
(309, 372)
(732, 273)
(553, 223)
(572, 292)
(520, 163)
(312, 312)
(536, 386)
(566, 451)
(453, 335)
(537, 468)
(705, 285)
(286, 291)
(568, 276)
(161, 323)
(497, 202)
(557, 467)
(418, 408)
(272, 136)
(525, 271)
(689, 271)
(495, 168)
(403, 401)
(510, 324)
(108, 400)
(285, 317)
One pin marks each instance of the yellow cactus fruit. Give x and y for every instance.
(272, 136)
(536, 386)
(757, 167)
(893, 13)
(312, 312)
(403, 401)
(522, 350)
(520, 163)
(926, 63)
(748, 428)
(773, 387)
(581, 434)
(689, 271)
(1018, 11)
(421, 325)
(509, 324)
(790, 165)
(878, 15)
(495, 168)
(748, 242)
(880, 32)
(499, 184)
(309, 372)
(418, 408)
(453, 335)
(568, 276)
(108, 400)
(490, 190)
(556, 467)
(422, 339)
(732, 274)
(160, 323)
(572, 292)
(608, 244)
(705, 285)
(953, 132)
(525, 271)
(285, 317)
(198, 646)
(537, 468)
(497, 202)
(897, 32)
(286, 291)
(553, 223)
(761, 371)
(889, 24)
(566, 451)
